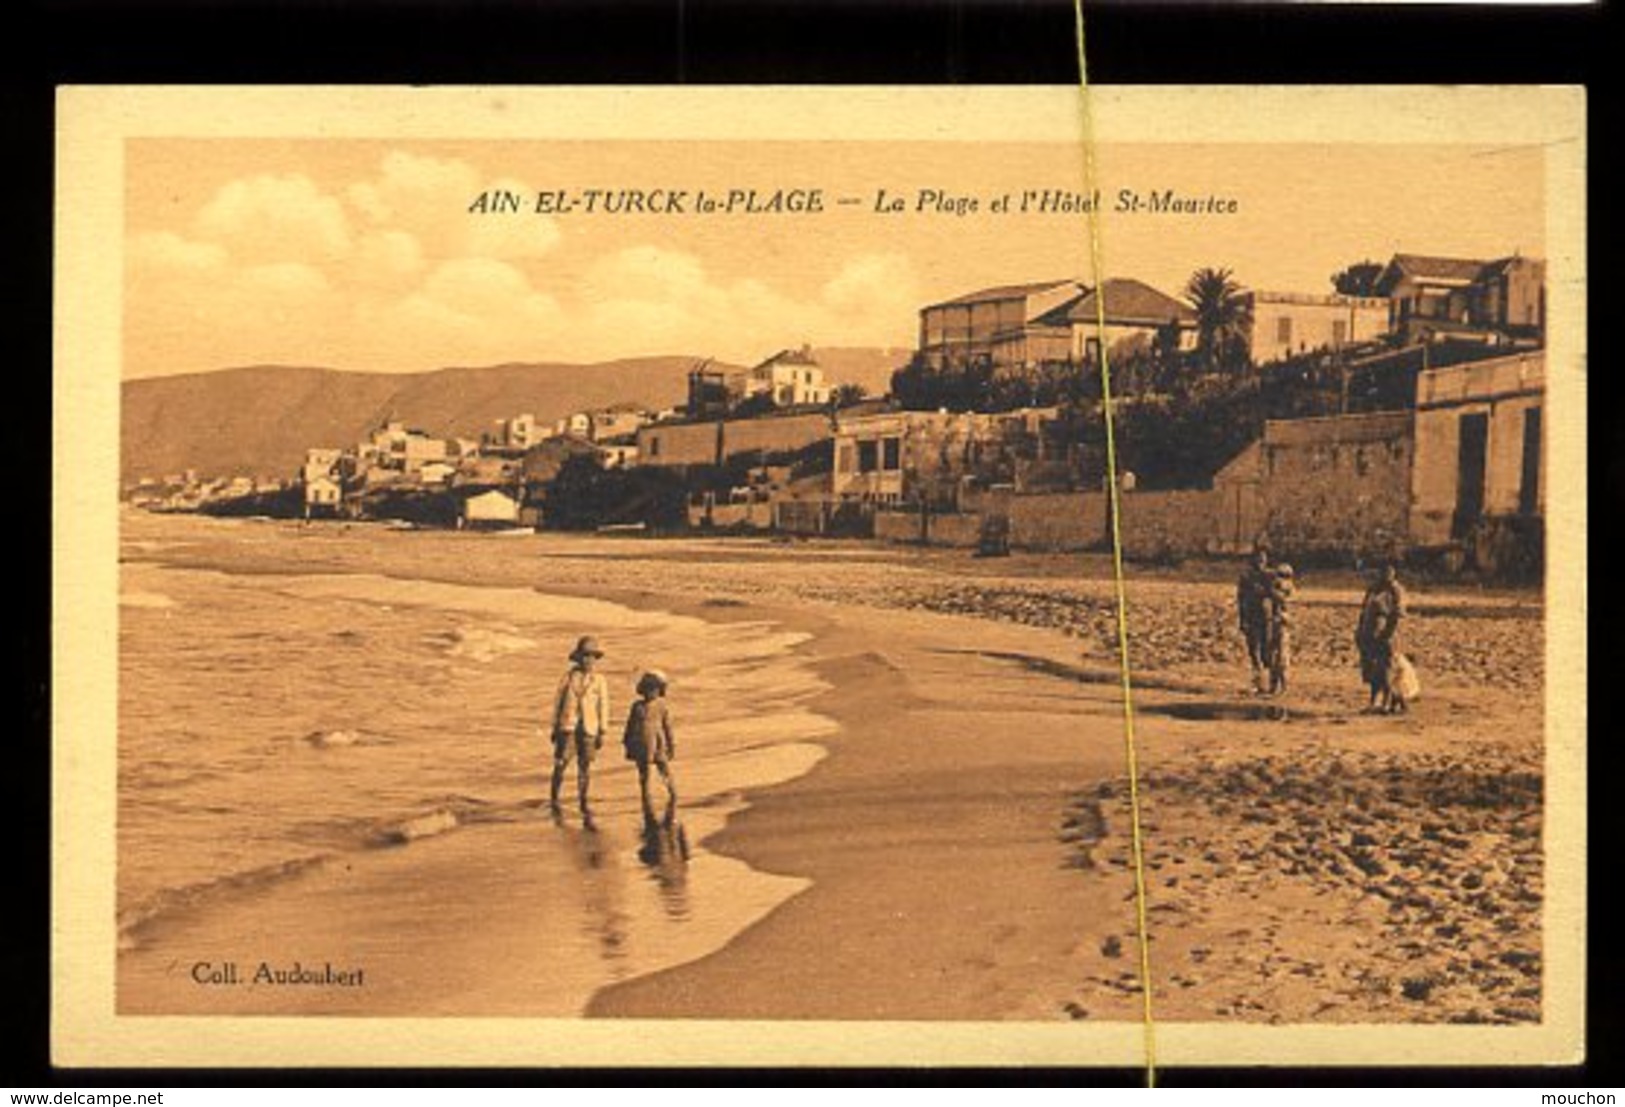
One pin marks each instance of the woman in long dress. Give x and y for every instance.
(1377, 638)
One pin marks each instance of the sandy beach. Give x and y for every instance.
(960, 849)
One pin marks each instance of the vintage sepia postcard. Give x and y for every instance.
(630, 576)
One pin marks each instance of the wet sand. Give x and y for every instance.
(526, 919)
(940, 889)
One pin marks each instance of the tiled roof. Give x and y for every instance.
(1454, 270)
(1127, 301)
(790, 357)
(1446, 269)
(1499, 266)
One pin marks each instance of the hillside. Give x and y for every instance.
(870, 366)
(259, 420)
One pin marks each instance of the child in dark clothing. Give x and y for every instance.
(650, 743)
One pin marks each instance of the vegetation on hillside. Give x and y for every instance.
(584, 496)
(1180, 415)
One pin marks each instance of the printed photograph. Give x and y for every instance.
(677, 578)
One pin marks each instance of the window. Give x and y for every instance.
(843, 458)
(868, 456)
(891, 450)
(1283, 330)
(654, 445)
(1472, 455)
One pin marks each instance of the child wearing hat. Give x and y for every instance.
(650, 743)
(580, 716)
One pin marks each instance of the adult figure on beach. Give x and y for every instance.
(580, 716)
(1252, 611)
(1377, 635)
(650, 743)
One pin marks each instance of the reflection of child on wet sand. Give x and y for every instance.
(649, 741)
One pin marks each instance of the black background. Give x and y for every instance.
(52, 42)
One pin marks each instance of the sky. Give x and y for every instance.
(365, 255)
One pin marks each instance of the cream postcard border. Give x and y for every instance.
(94, 122)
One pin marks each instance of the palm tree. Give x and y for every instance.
(1223, 318)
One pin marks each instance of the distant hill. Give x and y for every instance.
(870, 366)
(260, 420)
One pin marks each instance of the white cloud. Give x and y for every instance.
(188, 310)
(388, 259)
(467, 311)
(482, 287)
(653, 299)
(410, 185)
(164, 252)
(390, 273)
(512, 235)
(429, 198)
(394, 273)
(288, 281)
(873, 284)
(648, 273)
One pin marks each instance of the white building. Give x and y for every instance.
(491, 509)
(419, 450)
(578, 424)
(324, 493)
(1130, 309)
(792, 378)
(517, 433)
(618, 454)
(1479, 445)
(320, 461)
(1289, 323)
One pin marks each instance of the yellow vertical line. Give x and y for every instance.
(1112, 496)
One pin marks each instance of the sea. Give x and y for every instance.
(347, 768)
